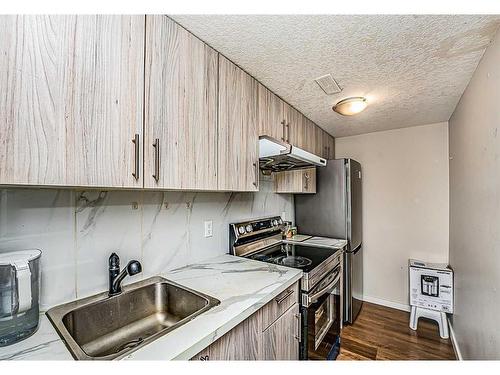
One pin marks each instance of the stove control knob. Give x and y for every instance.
(275, 222)
(249, 228)
(241, 230)
(280, 221)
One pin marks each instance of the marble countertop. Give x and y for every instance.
(44, 344)
(243, 286)
(316, 241)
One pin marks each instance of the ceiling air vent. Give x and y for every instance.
(328, 84)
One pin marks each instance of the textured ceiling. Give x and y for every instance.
(412, 69)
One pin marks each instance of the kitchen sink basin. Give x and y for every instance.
(103, 327)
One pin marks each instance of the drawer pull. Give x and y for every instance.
(279, 300)
(156, 146)
(135, 141)
(256, 170)
(298, 336)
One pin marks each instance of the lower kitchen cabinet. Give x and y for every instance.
(302, 181)
(272, 333)
(279, 341)
(241, 343)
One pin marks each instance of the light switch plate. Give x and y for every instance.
(209, 228)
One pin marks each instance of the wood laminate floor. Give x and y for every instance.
(383, 333)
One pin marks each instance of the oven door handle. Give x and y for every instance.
(315, 296)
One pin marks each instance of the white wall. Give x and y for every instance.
(405, 204)
(475, 210)
(78, 230)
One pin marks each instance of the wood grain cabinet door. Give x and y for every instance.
(242, 343)
(321, 143)
(325, 144)
(295, 181)
(271, 119)
(34, 86)
(181, 108)
(294, 125)
(238, 156)
(309, 136)
(104, 107)
(330, 146)
(281, 340)
(72, 93)
(299, 130)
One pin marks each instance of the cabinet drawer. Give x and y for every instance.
(279, 305)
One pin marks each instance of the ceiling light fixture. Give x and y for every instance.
(350, 106)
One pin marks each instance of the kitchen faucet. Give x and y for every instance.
(116, 277)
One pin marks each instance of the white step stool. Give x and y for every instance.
(439, 317)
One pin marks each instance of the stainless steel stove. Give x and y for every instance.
(321, 284)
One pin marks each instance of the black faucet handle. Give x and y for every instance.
(114, 261)
(134, 267)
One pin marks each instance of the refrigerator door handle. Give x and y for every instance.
(355, 251)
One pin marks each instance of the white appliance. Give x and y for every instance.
(276, 156)
(431, 286)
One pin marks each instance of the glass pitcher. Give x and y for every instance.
(19, 294)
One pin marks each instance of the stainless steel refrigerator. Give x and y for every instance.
(335, 211)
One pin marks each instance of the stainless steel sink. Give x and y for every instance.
(102, 327)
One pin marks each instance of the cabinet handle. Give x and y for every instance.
(135, 141)
(306, 181)
(281, 299)
(288, 133)
(256, 168)
(298, 336)
(156, 146)
(283, 130)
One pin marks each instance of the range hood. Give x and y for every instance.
(277, 156)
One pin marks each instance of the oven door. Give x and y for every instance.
(321, 309)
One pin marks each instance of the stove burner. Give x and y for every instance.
(293, 261)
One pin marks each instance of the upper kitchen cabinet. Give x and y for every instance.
(271, 116)
(295, 181)
(293, 125)
(324, 144)
(180, 148)
(72, 89)
(299, 130)
(321, 142)
(238, 157)
(328, 146)
(280, 120)
(309, 141)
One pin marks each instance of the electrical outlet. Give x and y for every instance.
(209, 228)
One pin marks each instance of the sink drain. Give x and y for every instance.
(130, 344)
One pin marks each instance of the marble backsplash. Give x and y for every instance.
(78, 230)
